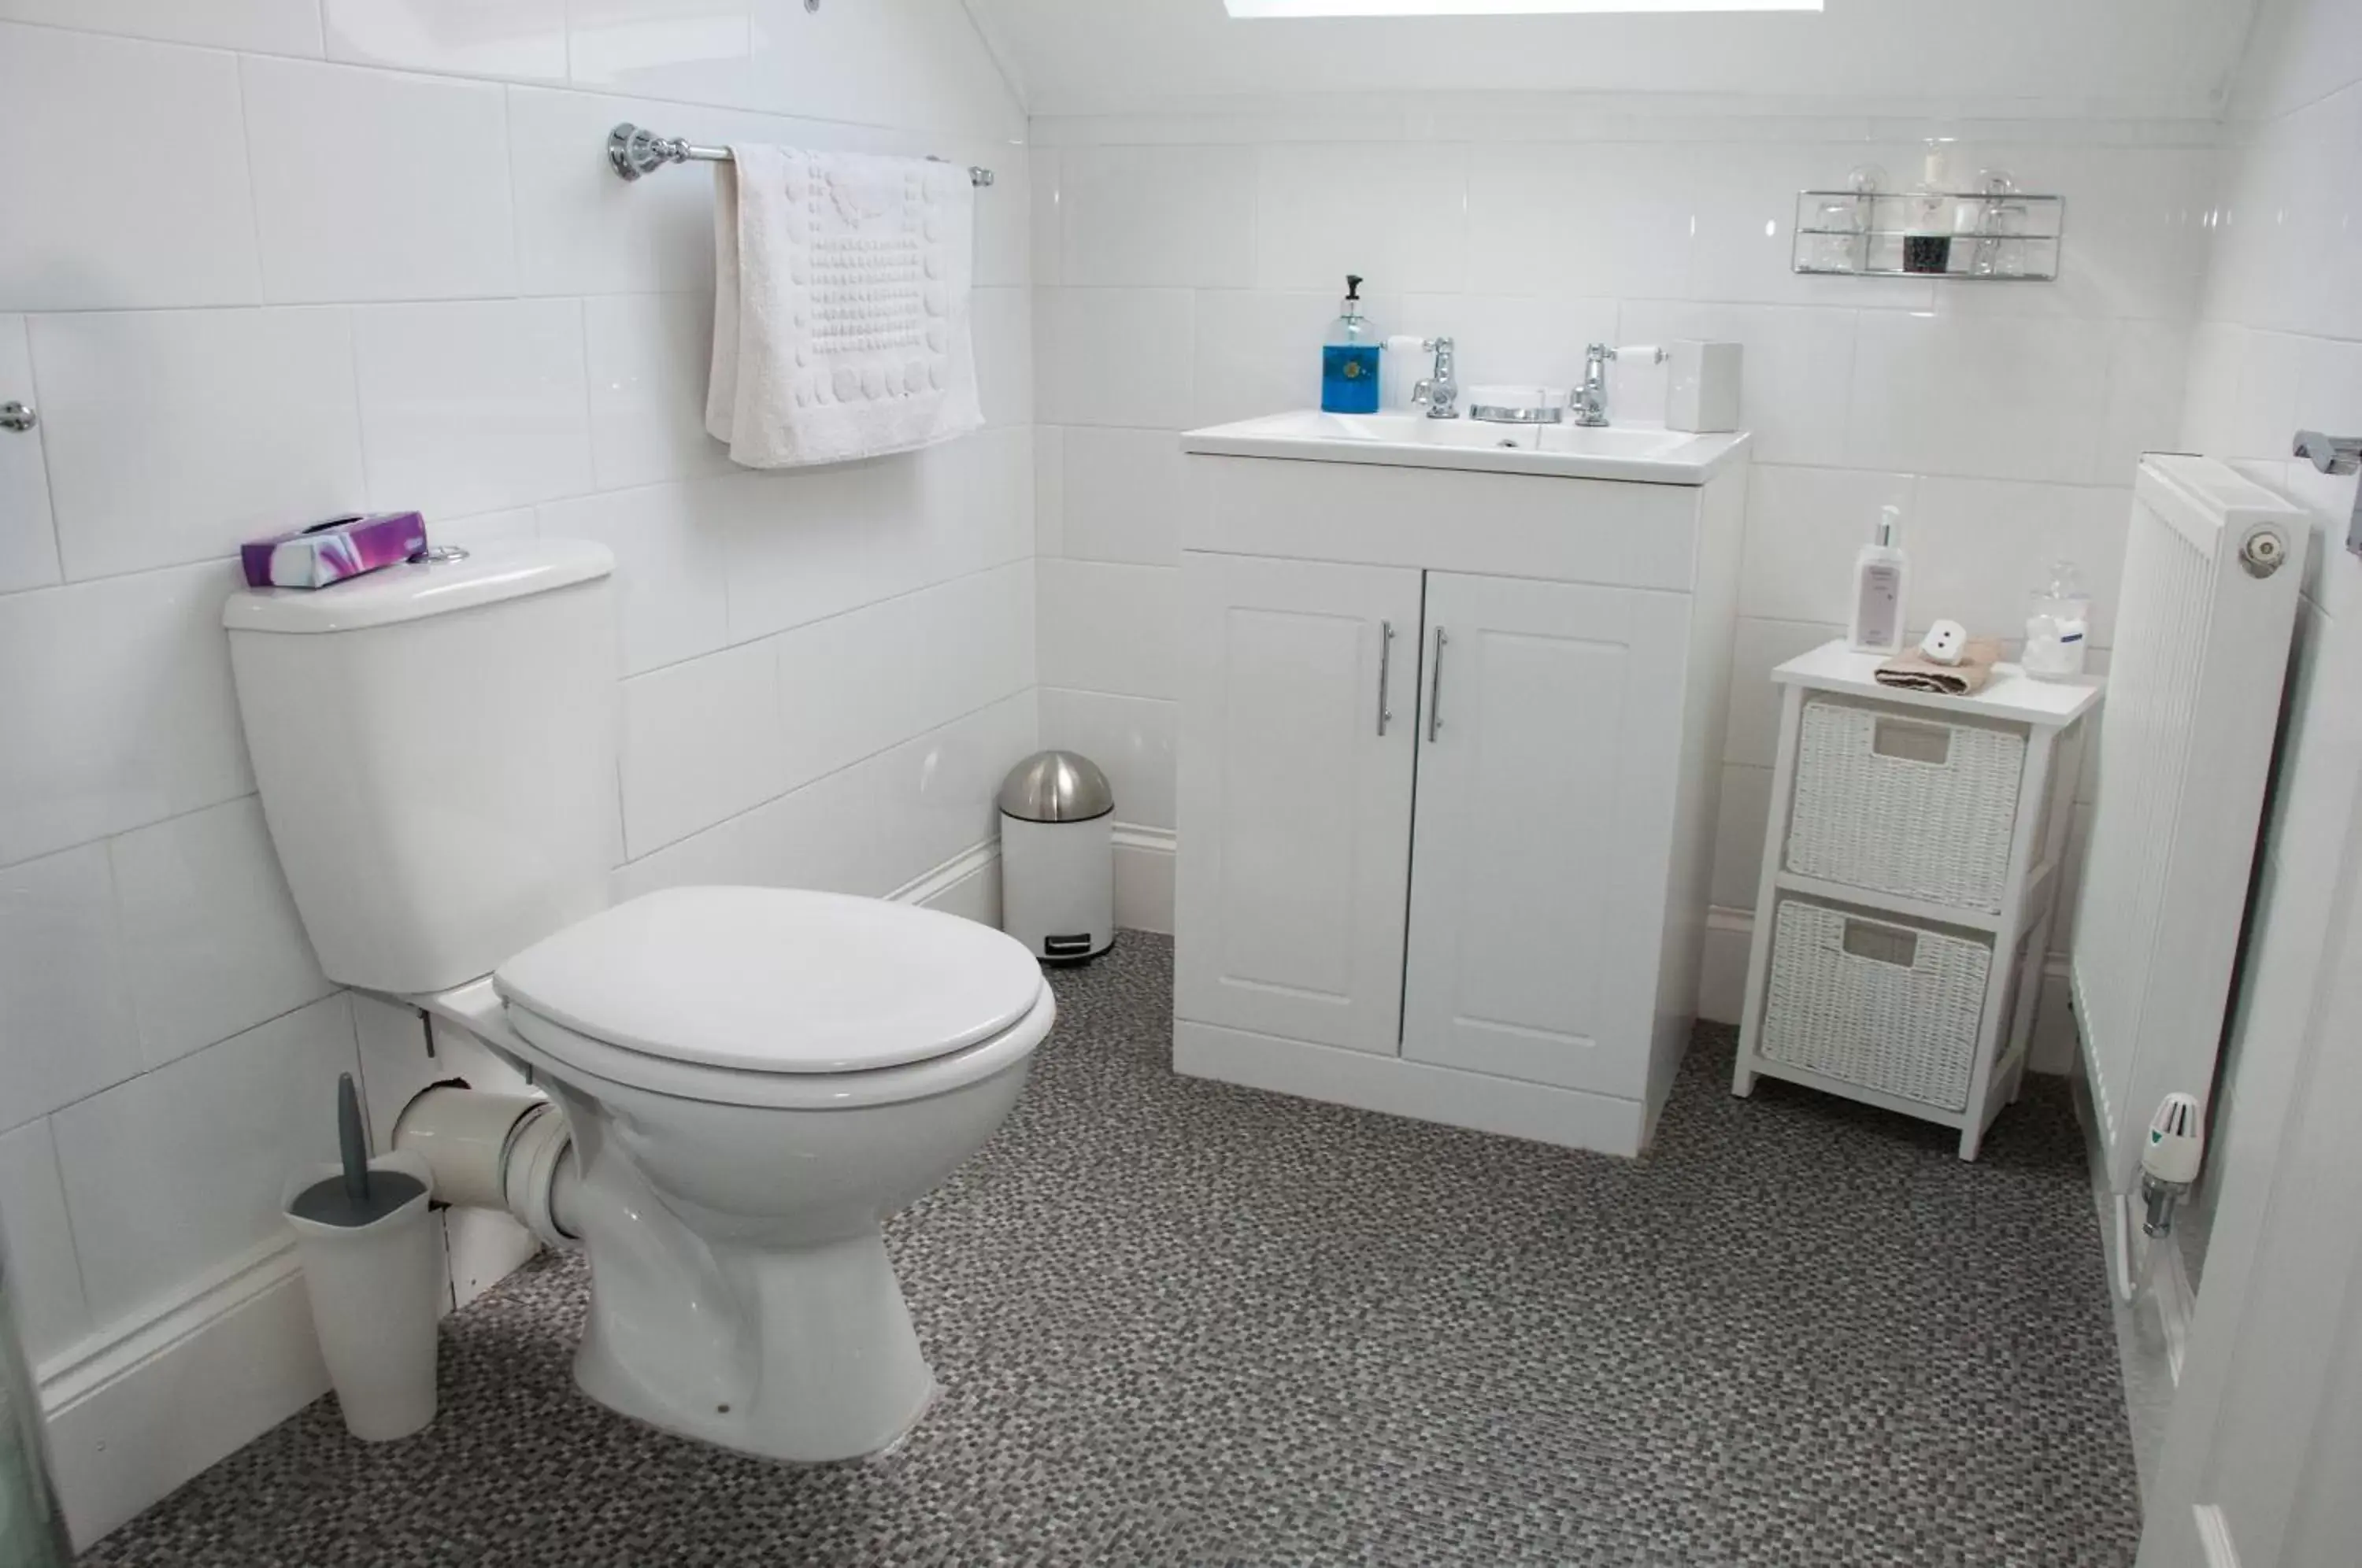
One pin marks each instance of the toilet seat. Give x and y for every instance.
(774, 995)
(567, 1055)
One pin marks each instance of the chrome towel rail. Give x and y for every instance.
(635, 151)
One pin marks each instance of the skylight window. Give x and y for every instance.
(1254, 10)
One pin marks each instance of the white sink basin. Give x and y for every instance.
(1649, 454)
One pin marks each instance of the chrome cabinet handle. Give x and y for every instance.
(1385, 663)
(1435, 691)
(17, 415)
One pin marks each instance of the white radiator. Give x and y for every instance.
(2212, 570)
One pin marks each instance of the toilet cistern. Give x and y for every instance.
(747, 1079)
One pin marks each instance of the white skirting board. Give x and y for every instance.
(1143, 878)
(144, 1406)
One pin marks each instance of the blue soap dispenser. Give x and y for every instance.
(1349, 362)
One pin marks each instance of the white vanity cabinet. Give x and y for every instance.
(1449, 751)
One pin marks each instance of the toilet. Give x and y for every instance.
(753, 1078)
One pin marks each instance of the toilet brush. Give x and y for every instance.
(371, 1255)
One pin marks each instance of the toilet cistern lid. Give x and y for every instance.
(776, 979)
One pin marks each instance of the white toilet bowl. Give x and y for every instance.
(755, 1078)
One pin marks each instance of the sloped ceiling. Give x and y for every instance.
(2169, 59)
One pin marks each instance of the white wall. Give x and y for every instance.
(267, 260)
(1913, 56)
(1186, 267)
(2278, 347)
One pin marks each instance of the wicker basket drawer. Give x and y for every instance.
(1877, 1002)
(1908, 805)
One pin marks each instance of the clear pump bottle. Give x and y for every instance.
(1349, 360)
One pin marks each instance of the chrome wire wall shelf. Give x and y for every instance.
(1994, 235)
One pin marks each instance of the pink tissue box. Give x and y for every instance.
(332, 551)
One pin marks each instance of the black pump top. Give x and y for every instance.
(1353, 288)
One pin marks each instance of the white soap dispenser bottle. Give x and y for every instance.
(1880, 577)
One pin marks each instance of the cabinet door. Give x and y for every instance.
(1550, 734)
(1296, 755)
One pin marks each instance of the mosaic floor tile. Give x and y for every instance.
(1178, 1323)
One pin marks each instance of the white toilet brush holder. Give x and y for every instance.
(372, 1269)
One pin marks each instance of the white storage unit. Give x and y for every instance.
(1448, 765)
(1910, 867)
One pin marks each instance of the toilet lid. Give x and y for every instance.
(773, 979)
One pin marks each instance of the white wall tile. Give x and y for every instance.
(1004, 220)
(1395, 213)
(1590, 219)
(579, 230)
(701, 742)
(210, 934)
(1110, 628)
(2000, 398)
(1758, 647)
(172, 221)
(833, 63)
(949, 80)
(821, 541)
(1158, 217)
(44, 1275)
(855, 684)
(175, 435)
(1050, 490)
(731, 854)
(1123, 494)
(2329, 387)
(1979, 546)
(377, 184)
(888, 820)
(647, 357)
(65, 1024)
(1803, 528)
(1045, 167)
(1260, 353)
(518, 40)
(2264, 415)
(485, 527)
(28, 539)
(1745, 805)
(2146, 373)
(1002, 326)
(1497, 338)
(671, 563)
(1118, 357)
(466, 408)
(182, 1168)
(259, 26)
(1795, 372)
(133, 718)
(1131, 739)
(701, 51)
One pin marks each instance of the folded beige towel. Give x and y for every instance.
(1915, 671)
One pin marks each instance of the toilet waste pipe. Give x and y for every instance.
(489, 1150)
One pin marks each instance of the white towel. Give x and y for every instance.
(842, 285)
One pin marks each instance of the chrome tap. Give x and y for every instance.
(1590, 400)
(1439, 390)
